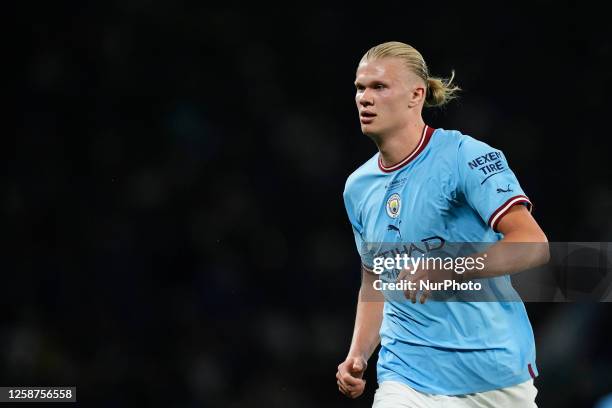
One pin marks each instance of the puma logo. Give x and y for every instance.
(391, 227)
(501, 190)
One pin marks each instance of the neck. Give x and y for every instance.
(395, 147)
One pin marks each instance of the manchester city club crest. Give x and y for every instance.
(394, 205)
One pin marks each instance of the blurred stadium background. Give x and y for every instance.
(176, 233)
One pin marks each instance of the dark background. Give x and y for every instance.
(176, 234)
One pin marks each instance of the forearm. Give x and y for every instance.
(367, 322)
(517, 251)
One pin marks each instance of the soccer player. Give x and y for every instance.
(425, 183)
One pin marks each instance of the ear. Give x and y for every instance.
(417, 95)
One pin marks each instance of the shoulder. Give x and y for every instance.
(463, 147)
(448, 139)
(469, 145)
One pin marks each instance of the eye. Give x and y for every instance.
(359, 87)
(380, 86)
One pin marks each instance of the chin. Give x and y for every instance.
(366, 128)
(369, 130)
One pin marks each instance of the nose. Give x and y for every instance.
(366, 98)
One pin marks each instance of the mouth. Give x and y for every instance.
(367, 117)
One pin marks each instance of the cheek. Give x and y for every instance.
(395, 104)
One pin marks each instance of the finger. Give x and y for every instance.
(342, 370)
(351, 381)
(340, 379)
(408, 294)
(404, 273)
(424, 296)
(407, 291)
(356, 392)
(346, 387)
(342, 388)
(348, 380)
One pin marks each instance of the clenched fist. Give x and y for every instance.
(350, 376)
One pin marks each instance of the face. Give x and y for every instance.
(387, 93)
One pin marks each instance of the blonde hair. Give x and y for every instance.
(439, 90)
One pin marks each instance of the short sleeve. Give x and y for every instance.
(487, 182)
(364, 252)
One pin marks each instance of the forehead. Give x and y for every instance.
(389, 69)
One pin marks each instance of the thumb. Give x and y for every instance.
(404, 273)
(357, 365)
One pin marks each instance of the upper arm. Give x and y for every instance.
(519, 222)
(357, 228)
(487, 183)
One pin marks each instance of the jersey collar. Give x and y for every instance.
(427, 132)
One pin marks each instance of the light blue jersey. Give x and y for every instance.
(452, 188)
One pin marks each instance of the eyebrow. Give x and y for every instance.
(373, 82)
